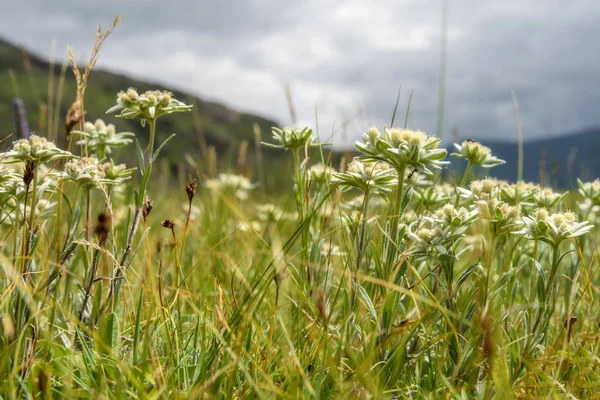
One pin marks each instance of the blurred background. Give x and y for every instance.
(462, 65)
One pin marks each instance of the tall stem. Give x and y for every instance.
(465, 177)
(152, 126)
(550, 282)
(397, 210)
(363, 228)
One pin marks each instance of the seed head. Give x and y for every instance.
(29, 173)
(167, 223)
(103, 227)
(146, 208)
(190, 189)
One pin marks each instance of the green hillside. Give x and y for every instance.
(25, 75)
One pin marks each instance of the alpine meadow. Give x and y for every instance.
(401, 270)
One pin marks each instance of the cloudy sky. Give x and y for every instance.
(347, 58)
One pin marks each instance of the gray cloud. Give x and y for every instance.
(347, 59)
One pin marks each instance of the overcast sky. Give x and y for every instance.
(348, 58)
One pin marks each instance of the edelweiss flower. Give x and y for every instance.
(433, 196)
(402, 147)
(35, 149)
(147, 106)
(553, 229)
(477, 154)
(101, 138)
(231, 185)
(292, 138)
(367, 176)
(519, 193)
(450, 215)
(86, 172)
(484, 189)
(503, 217)
(547, 198)
(115, 173)
(590, 190)
(320, 173)
(271, 213)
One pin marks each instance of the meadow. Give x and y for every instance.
(382, 277)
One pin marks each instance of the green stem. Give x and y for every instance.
(297, 181)
(465, 177)
(397, 210)
(552, 276)
(152, 126)
(363, 228)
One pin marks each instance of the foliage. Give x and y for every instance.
(413, 289)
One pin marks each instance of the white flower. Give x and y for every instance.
(231, 185)
(292, 138)
(403, 147)
(553, 228)
(477, 154)
(320, 173)
(35, 149)
(548, 198)
(102, 138)
(367, 176)
(590, 190)
(271, 213)
(147, 106)
(86, 172)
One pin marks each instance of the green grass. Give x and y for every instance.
(414, 290)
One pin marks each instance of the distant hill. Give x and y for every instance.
(26, 75)
(566, 158)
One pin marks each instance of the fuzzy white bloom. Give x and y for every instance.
(320, 173)
(147, 106)
(35, 149)
(484, 189)
(271, 213)
(519, 193)
(403, 147)
(292, 138)
(86, 172)
(477, 154)
(231, 185)
(590, 190)
(547, 198)
(367, 176)
(102, 138)
(553, 228)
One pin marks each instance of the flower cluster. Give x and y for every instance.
(553, 228)
(477, 154)
(36, 150)
(86, 172)
(519, 193)
(292, 138)
(433, 196)
(403, 147)
(229, 185)
(101, 138)
(320, 174)
(148, 105)
(367, 176)
(271, 213)
(590, 190)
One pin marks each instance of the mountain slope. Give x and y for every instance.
(25, 75)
